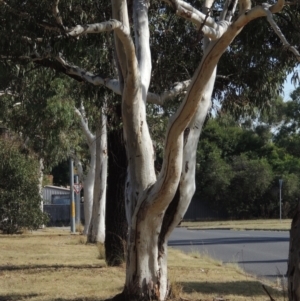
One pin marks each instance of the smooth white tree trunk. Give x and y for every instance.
(156, 206)
(88, 185)
(96, 231)
(89, 178)
(41, 178)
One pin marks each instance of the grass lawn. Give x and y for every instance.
(259, 224)
(52, 264)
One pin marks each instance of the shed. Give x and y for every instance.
(50, 191)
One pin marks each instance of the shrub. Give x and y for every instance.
(20, 200)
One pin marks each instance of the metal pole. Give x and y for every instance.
(72, 203)
(77, 203)
(280, 185)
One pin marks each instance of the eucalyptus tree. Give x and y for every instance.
(155, 203)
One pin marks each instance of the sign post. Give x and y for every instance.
(280, 186)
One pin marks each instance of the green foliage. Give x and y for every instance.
(239, 167)
(20, 200)
(252, 178)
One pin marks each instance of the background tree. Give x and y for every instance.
(19, 194)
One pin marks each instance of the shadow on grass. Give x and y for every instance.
(240, 288)
(16, 297)
(46, 267)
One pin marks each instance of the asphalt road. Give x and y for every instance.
(263, 253)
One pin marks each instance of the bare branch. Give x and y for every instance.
(142, 42)
(32, 41)
(216, 33)
(97, 28)
(277, 7)
(188, 12)
(84, 125)
(160, 99)
(123, 34)
(57, 15)
(114, 85)
(120, 13)
(8, 92)
(95, 79)
(210, 28)
(34, 57)
(281, 35)
(256, 12)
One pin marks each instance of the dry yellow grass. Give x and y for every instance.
(260, 224)
(54, 265)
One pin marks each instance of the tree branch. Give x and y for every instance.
(166, 186)
(142, 42)
(95, 79)
(120, 13)
(57, 15)
(8, 92)
(82, 75)
(188, 12)
(123, 34)
(279, 33)
(210, 28)
(257, 12)
(84, 125)
(96, 28)
(213, 33)
(174, 91)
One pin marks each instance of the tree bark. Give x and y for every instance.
(41, 178)
(96, 231)
(89, 179)
(88, 185)
(115, 221)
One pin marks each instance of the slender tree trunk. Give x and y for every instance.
(89, 179)
(41, 178)
(88, 185)
(293, 272)
(97, 226)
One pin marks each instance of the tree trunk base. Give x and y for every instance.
(129, 297)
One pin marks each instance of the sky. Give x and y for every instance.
(288, 87)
